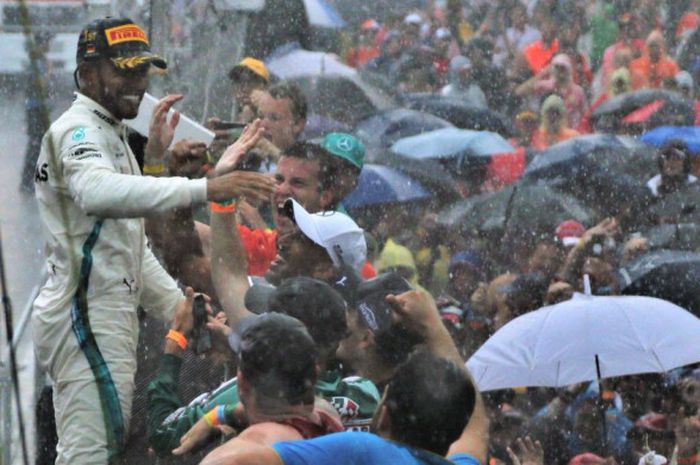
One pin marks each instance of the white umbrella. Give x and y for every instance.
(322, 14)
(302, 62)
(587, 338)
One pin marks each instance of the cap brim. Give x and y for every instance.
(304, 220)
(136, 61)
(257, 298)
(235, 338)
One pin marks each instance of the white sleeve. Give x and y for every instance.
(160, 293)
(100, 190)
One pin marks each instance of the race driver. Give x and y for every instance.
(91, 198)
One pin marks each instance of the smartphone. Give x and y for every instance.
(222, 125)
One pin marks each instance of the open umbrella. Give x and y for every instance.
(382, 184)
(518, 209)
(583, 155)
(460, 113)
(431, 174)
(300, 62)
(587, 338)
(688, 134)
(682, 206)
(452, 143)
(673, 275)
(346, 99)
(318, 126)
(322, 14)
(669, 108)
(386, 127)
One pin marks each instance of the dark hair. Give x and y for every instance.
(278, 358)
(298, 106)
(676, 144)
(429, 401)
(314, 303)
(314, 152)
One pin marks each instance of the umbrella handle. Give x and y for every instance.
(587, 285)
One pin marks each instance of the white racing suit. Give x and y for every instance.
(91, 198)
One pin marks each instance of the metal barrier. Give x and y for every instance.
(7, 408)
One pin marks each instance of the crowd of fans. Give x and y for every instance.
(347, 276)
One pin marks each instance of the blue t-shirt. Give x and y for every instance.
(355, 448)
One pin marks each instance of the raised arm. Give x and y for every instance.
(418, 310)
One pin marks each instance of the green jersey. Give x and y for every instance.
(354, 398)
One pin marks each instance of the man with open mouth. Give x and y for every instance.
(92, 197)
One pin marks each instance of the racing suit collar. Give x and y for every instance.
(97, 109)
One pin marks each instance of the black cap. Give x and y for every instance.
(118, 39)
(371, 300)
(314, 302)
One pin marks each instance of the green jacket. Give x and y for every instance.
(354, 398)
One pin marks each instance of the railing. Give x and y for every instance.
(7, 409)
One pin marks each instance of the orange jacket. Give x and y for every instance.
(647, 74)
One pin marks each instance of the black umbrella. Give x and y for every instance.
(346, 99)
(672, 275)
(681, 236)
(519, 210)
(584, 155)
(676, 110)
(432, 174)
(386, 127)
(460, 113)
(682, 206)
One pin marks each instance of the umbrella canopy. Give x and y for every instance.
(659, 107)
(688, 134)
(318, 126)
(519, 209)
(682, 206)
(386, 127)
(452, 143)
(382, 184)
(300, 62)
(587, 338)
(460, 113)
(673, 275)
(345, 99)
(431, 174)
(582, 155)
(322, 14)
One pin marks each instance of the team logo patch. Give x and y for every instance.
(344, 144)
(346, 407)
(125, 33)
(78, 134)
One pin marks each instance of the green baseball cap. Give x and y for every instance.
(345, 146)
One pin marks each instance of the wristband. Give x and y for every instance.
(178, 337)
(223, 207)
(689, 460)
(154, 169)
(215, 416)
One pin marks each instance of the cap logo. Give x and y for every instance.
(344, 143)
(368, 316)
(125, 33)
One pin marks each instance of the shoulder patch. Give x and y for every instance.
(78, 134)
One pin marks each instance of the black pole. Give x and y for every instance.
(7, 306)
(601, 407)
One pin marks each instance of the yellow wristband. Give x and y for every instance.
(177, 337)
(154, 169)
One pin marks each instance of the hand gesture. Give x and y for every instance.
(188, 158)
(160, 130)
(416, 309)
(529, 452)
(609, 227)
(183, 320)
(235, 152)
(199, 435)
(253, 187)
